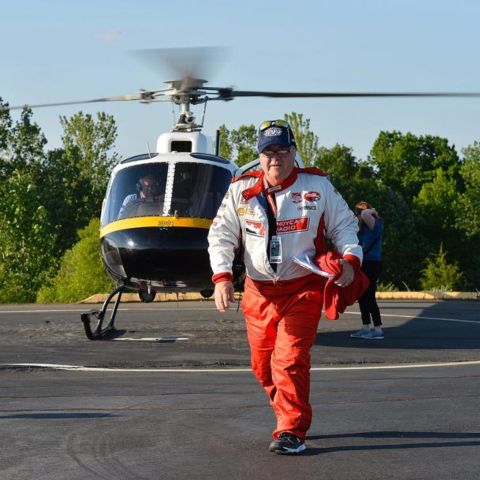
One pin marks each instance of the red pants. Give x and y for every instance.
(282, 323)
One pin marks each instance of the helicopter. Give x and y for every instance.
(158, 207)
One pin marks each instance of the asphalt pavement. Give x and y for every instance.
(172, 396)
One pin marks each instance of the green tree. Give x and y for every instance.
(24, 233)
(5, 128)
(436, 209)
(81, 272)
(239, 144)
(406, 162)
(46, 197)
(226, 147)
(469, 205)
(426, 172)
(87, 144)
(337, 161)
(343, 170)
(438, 274)
(307, 141)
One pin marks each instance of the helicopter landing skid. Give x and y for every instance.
(100, 332)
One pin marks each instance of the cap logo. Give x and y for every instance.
(273, 132)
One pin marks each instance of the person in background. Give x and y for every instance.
(370, 236)
(279, 213)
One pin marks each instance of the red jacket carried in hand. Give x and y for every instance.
(336, 299)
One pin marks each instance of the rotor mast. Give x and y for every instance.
(184, 93)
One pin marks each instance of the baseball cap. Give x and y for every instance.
(275, 132)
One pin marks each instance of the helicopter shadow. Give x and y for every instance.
(438, 326)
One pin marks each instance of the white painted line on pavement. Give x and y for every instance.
(84, 310)
(419, 317)
(80, 368)
(41, 311)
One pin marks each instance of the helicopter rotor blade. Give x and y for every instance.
(184, 63)
(144, 96)
(231, 93)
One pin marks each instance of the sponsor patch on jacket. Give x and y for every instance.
(306, 207)
(254, 228)
(292, 225)
(245, 211)
(311, 196)
(296, 197)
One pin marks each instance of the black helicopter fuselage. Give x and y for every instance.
(163, 257)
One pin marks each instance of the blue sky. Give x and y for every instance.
(55, 50)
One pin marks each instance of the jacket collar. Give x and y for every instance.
(262, 186)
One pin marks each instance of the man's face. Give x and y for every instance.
(148, 187)
(277, 163)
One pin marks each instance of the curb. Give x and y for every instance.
(428, 295)
(194, 296)
(160, 297)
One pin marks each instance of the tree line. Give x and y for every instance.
(50, 201)
(48, 196)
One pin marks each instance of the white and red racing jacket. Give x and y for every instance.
(309, 211)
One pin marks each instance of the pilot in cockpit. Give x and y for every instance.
(148, 191)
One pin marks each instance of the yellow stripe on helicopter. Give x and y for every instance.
(155, 221)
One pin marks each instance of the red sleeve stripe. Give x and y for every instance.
(320, 242)
(222, 277)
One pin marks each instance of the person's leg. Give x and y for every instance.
(364, 304)
(260, 321)
(372, 269)
(296, 334)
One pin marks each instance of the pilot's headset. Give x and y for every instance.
(141, 184)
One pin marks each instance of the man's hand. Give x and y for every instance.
(223, 295)
(346, 278)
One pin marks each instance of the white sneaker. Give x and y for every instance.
(375, 334)
(361, 334)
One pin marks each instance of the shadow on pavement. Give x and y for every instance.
(467, 440)
(438, 331)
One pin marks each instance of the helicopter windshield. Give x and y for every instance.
(198, 189)
(136, 191)
(141, 191)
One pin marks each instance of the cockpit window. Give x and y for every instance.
(198, 189)
(142, 191)
(137, 191)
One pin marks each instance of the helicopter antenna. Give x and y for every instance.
(148, 149)
(204, 112)
(173, 113)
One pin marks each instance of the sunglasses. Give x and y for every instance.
(276, 153)
(273, 123)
